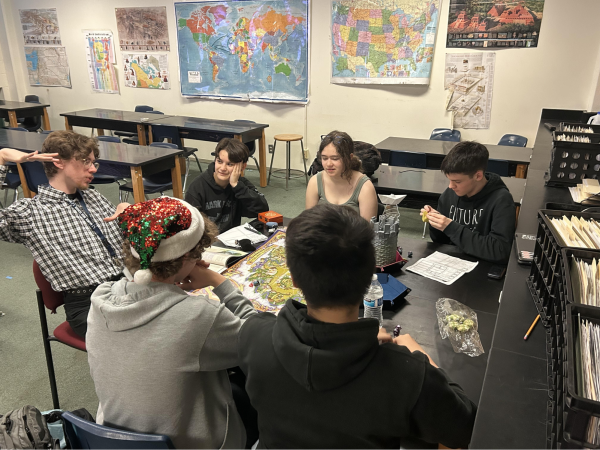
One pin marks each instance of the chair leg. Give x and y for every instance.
(256, 162)
(6, 197)
(271, 166)
(197, 162)
(47, 350)
(16, 197)
(187, 172)
(126, 195)
(304, 161)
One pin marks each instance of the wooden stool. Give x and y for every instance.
(288, 138)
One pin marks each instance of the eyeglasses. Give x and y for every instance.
(88, 162)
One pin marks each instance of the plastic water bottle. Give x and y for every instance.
(594, 120)
(373, 301)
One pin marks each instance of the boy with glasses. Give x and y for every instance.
(68, 228)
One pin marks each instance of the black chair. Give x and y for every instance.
(445, 134)
(12, 181)
(34, 175)
(162, 132)
(251, 145)
(45, 131)
(158, 182)
(33, 123)
(513, 140)
(18, 129)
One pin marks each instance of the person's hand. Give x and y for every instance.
(236, 174)
(16, 156)
(412, 345)
(201, 277)
(438, 220)
(120, 208)
(384, 336)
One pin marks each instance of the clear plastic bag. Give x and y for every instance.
(459, 323)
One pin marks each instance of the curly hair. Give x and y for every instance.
(345, 147)
(166, 269)
(69, 145)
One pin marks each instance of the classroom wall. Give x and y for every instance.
(561, 73)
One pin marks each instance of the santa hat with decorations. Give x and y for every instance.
(158, 230)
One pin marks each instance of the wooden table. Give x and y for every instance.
(14, 110)
(121, 160)
(214, 130)
(404, 151)
(108, 119)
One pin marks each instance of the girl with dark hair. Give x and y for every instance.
(341, 182)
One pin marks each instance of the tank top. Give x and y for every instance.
(352, 201)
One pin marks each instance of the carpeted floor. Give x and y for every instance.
(22, 363)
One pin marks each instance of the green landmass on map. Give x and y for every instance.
(284, 69)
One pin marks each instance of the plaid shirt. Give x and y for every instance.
(69, 253)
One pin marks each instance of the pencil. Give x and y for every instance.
(531, 327)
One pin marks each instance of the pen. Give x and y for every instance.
(251, 228)
(531, 327)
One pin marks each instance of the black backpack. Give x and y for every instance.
(25, 428)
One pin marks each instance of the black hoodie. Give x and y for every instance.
(225, 207)
(322, 385)
(482, 225)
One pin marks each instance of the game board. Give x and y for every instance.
(263, 277)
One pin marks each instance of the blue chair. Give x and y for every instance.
(32, 123)
(127, 134)
(34, 175)
(513, 140)
(109, 139)
(445, 134)
(45, 131)
(162, 132)
(154, 112)
(133, 140)
(107, 179)
(18, 129)
(498, 167)
(81, 433)
(158, 182)
(251, 145)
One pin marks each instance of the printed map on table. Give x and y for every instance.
(143, 70)
(383, 41)
(40, 26)
(253, 50)
(47, 66)
(267, 267)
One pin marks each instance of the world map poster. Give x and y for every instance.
(249, 50)
(383, 41)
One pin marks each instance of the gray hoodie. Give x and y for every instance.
(158, 358)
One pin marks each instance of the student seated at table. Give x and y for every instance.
(158, 356)
(476, 212)
(316, 373)
(222, 193)
(341, 182)
(57, 224)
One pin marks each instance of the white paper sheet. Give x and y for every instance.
(245, 231)
(443, 268)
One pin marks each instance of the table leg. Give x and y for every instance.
(100, 131)
(67, 126)
(26, 192)
(176, 176)
(142, 134)
(521, 171)
(138, 184)
(12, 119)
(262, 159)
(46, 120)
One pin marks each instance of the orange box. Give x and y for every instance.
(270, 216)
